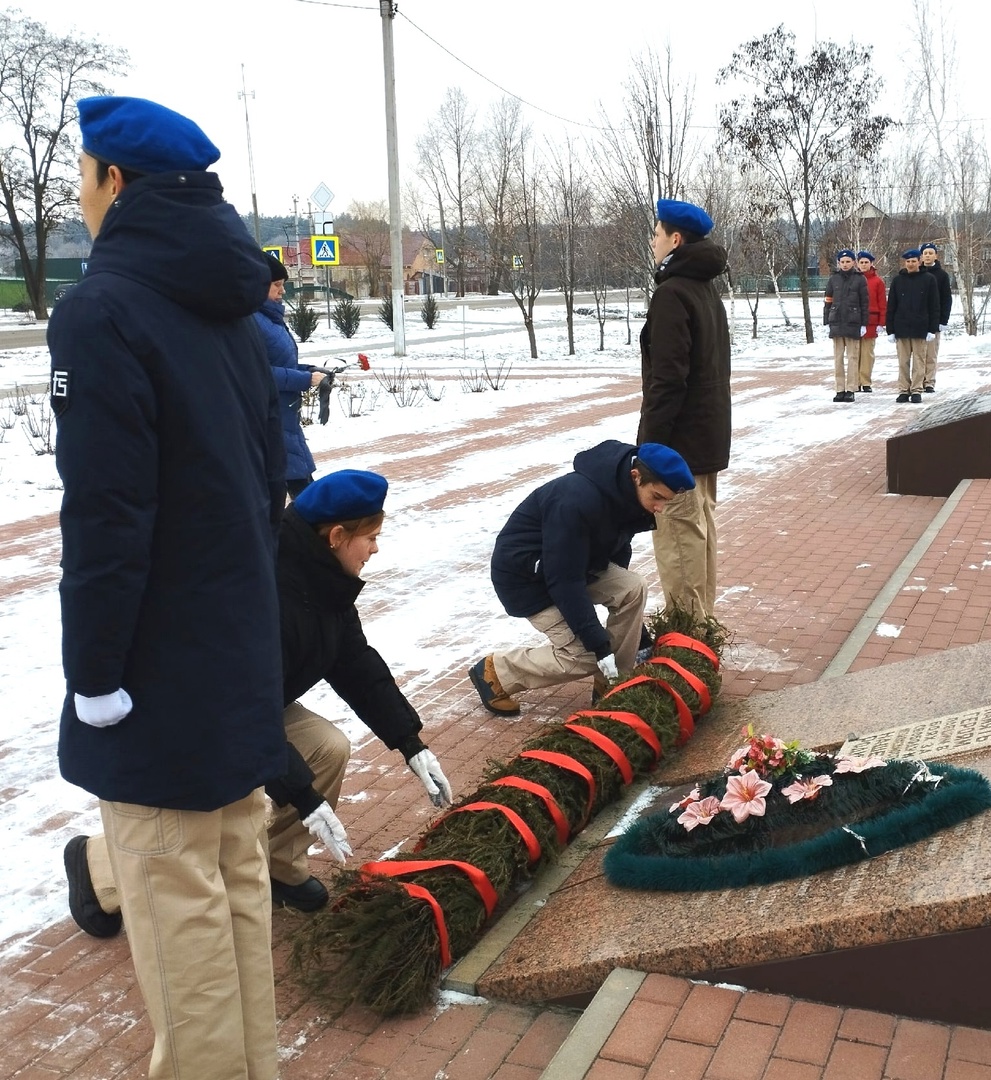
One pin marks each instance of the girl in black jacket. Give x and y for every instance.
(327, 536)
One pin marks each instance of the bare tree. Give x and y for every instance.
(498, 147)
(961, 160)
(525, 220)
(446, 149)
(41, 76)
(368, 238)
(644, 157)
(569, 206)
(801, 123)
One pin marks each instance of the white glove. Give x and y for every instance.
(607, 665)
(942, 327)
(891, 338)
(863, 330)
(426, 766)
(105, 710)
(930, 337)
(326, 827)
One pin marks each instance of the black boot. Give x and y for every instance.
(311, 895)
(83, 904)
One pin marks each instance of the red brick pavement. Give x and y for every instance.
(804, 549)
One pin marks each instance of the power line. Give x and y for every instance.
(547, 112)
(498, 86)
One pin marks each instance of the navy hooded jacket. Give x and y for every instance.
(170, 452)
(565, 533)
(291, 379)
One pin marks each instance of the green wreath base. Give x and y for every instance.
(861, 816)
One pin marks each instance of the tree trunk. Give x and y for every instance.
(528, 322)
(569, 308)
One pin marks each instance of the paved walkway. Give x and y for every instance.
(805, 550)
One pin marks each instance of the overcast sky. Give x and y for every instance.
(316, 69)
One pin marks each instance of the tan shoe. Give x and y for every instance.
(493, 697)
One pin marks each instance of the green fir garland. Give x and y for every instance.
(378, 945)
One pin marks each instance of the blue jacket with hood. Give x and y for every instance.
(291, 379)
(564, 534)
(170, 451)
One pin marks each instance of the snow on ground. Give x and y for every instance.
(39, 811)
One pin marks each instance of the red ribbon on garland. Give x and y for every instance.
(613, 751)
(526, 833)
(686, 722)
(555, 811)
(444, 939)
(685, 642)
(565, 761)
(705, 701)
(477, 877)
(639, 725)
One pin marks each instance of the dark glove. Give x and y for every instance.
(324, 388)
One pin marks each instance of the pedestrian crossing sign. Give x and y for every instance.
(276, 250)
(323, 251)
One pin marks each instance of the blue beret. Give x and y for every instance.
(912, 253)
(668, 464)
(141, 136)
(684, 215)
(865, 255)
(342, 496)
(930, 244)
(846, 253)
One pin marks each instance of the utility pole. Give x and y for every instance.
(299, 250)
(387, 9)
(243, 95)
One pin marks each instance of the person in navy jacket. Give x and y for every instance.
(170, 452)
(566, 548)
(291, 378)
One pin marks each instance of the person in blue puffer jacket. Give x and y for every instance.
(291, 379)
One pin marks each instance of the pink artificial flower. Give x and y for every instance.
(692, 796)
(738, 758)
(853, 764)
(806, 789)
(699, 813)
(745, 796)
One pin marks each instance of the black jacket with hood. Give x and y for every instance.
(564, 534)
(685, 357)
(170, 451)
(944, 287)
(913, 305)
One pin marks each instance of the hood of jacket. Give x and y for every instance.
(174, 233)
(607, 466)
(308, 568)
(701, 261)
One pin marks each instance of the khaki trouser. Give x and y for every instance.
(846, 376)
(326, 750)
(866, 360)
(685, 548)
(622, 592)
(911, 352)
(196, 901)
(932, 352)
